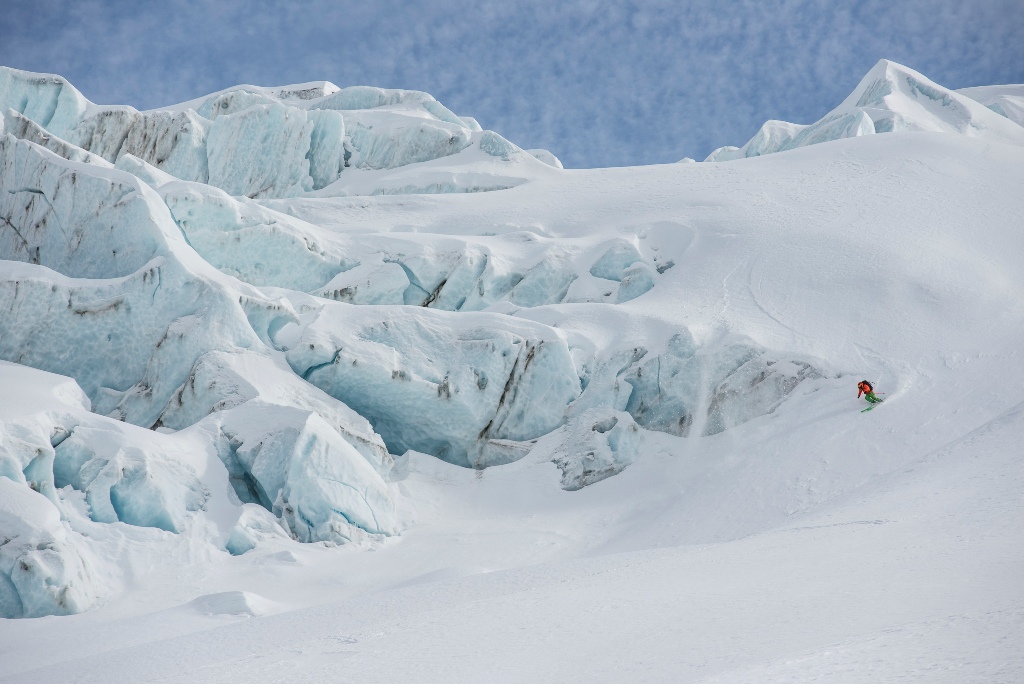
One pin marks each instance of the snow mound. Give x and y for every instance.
(234, 603)
(42, 570)
(892, 98)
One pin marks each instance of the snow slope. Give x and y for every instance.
(595, 426)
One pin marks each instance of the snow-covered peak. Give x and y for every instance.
(891, 98)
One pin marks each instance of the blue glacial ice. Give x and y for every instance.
(686, 390)
(440, 383)
(294, 463)
(260, 142)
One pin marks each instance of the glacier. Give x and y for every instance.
(277, 350)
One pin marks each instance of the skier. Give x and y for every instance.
(864, 387)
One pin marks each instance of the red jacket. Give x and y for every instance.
(864, 388)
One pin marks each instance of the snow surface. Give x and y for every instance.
(315, 383)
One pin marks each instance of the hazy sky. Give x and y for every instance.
(597, 83)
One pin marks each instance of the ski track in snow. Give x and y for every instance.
(619, 403)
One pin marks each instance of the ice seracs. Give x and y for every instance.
(445, 384)
(265, 142)
(42, 570)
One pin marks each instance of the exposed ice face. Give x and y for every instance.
(124, 483)
(600, 438)
(295, 464)
(686, 390)
(755, 389)
(26, 129)
(439, 383)
(250, 242)
(158, 307)
(174, 142)
(665, 390)
(615, 261)
(48, 100)
(221, 381)
(80, 224)
(636, 280)
(496, 146)
(387, 140)
(239, 143)
(261, 142)
(203, 315)
(370, 283)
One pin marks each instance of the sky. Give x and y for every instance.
(597, 83)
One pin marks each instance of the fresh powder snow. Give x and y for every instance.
(311, 383)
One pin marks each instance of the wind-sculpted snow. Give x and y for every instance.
(444, 384)
(42, 570)
(890, 99)
(1006, 100)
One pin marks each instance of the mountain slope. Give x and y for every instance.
(650, 373)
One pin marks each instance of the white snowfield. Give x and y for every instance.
(330, 384)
